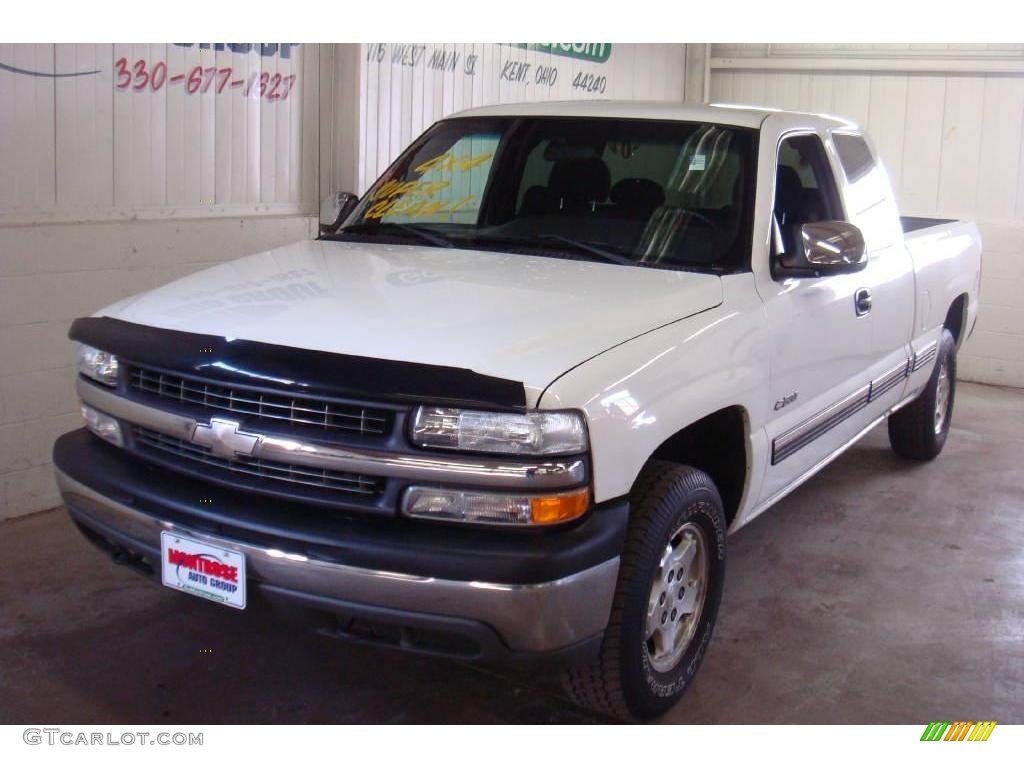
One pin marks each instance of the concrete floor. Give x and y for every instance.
(880, 592)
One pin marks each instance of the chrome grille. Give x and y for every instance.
(249, 401)
(180, 451)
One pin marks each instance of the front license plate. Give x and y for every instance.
(202, 569)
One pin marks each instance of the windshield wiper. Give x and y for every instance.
(601, 251)
(423, 233)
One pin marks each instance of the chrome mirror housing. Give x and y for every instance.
(826, 248)
(833, 247)
(834, 244)
(335, 209)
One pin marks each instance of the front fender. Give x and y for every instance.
(638, 394)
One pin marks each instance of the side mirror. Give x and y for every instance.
(335, 209)
(827, 248)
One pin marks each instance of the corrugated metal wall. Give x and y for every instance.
(948, 121)
(93, 132)
(406, 87)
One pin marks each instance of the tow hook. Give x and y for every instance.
(126, 557)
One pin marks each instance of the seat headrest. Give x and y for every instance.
(637, 194)
(579, 181)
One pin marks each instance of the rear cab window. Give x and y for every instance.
(867, 193)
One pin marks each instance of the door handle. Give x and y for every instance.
(862, 301)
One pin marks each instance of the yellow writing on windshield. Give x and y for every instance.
(418, 197)
(449, 162)
(396, 188)
(416, 206)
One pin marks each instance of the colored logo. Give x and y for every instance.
(595, 52)
(959, 730)
(203, 564)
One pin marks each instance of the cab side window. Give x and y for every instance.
(868, 197)
(805, 190)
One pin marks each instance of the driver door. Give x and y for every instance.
(821, 346)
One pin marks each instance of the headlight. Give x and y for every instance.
(97, 365)
(538, 433)
(494, 508)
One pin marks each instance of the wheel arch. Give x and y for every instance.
(718, 444)
(956, 318)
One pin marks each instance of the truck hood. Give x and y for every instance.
(524, 318)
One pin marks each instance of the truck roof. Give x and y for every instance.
(727, 114)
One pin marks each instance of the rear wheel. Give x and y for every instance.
(666, 599)
(919, 430)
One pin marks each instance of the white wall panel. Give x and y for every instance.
(962, 119)
(114, 131)
(406, 87)
(948, 122)
(84, 139)
(27, 148)
(921, 151)
(999, 170)
(887, 113)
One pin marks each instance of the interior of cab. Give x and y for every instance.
(805, 190)
(668, 200)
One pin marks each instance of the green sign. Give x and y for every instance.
(596, 52)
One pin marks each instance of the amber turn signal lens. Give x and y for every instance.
(546, 510)
(494, 508)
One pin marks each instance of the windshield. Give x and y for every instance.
(635, 192)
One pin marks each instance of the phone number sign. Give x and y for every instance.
(149, 76)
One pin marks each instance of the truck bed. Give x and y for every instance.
(947, 263)
(914, 223)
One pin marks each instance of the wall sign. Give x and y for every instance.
(142, 75)
(536, 65)
(108, 130)
(598, 53)
(407, 86)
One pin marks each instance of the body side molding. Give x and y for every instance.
(803, 434)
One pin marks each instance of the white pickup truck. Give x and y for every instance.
(509, 404)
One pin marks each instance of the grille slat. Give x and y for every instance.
(260, 402)
(166, 445)
(325, 414)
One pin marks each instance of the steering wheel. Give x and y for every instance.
(696, 215)
(700, 217)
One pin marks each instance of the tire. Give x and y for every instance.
(675, 510)
(919, 429)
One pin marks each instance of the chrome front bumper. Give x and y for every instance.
(528, 618)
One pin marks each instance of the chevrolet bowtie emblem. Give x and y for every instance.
(225, 439)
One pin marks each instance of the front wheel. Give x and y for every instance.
(919, 429)
(666, 599)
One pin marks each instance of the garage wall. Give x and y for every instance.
(948, 121)
(104, 131)
(406, 87)
(124, 167)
